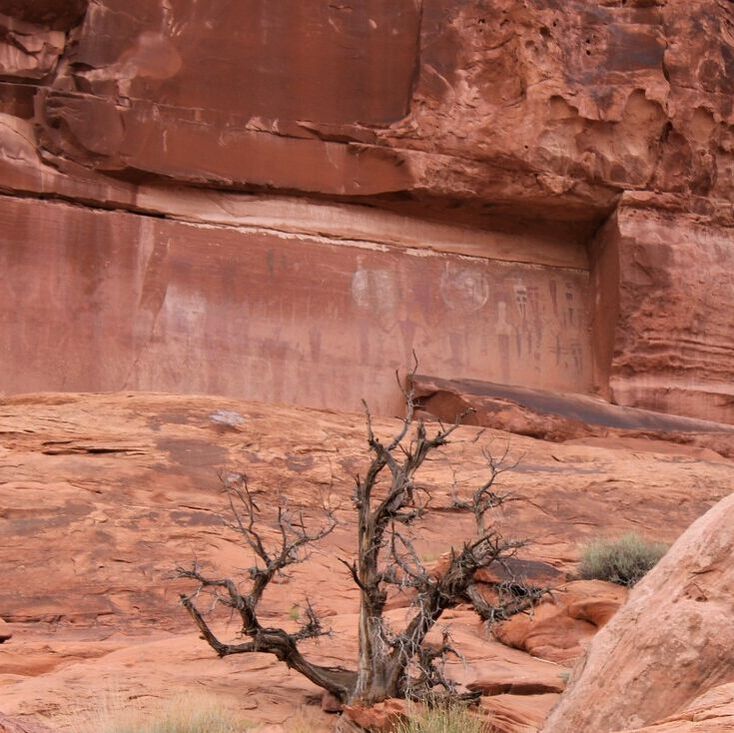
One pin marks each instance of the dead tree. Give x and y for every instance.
(388, 501)
(385, 656)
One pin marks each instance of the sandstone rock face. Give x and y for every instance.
(562, 417)
(289, 320)
(712, 712)
(253, 191)
(9, 725)
(563, 102)
(5, 632)
(671, 350)
(670, 644)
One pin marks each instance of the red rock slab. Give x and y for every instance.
(516, 569)
(560, 629)
(491, 688)
(562, 416)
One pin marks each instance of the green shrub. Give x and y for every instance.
(623, 561)
(451, 719)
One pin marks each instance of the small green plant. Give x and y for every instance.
(295, 613)
(429, 558)
(623, 561)
(445, 719)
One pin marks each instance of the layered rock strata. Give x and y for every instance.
(562, 417)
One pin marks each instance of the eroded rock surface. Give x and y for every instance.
(564, 417)
(564, 103)
(560, 628)
(577, 156)
(712, 712)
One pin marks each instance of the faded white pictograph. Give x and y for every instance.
(504, 331)
(521, 299)
(464, 289)
(570, 312)
(577, 356)
(375, 290)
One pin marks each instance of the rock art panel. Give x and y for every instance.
(109, 301)
(530, 120)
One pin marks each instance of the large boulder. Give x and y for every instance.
(672, 642)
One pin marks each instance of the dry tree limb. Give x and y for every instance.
(385, 656)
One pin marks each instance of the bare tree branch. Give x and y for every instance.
(293, 537)
(389, 504)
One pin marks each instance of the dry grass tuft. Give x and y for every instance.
(451, 719)
(195, 713)
(624, 561)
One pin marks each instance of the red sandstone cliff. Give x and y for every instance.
(272, 200)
